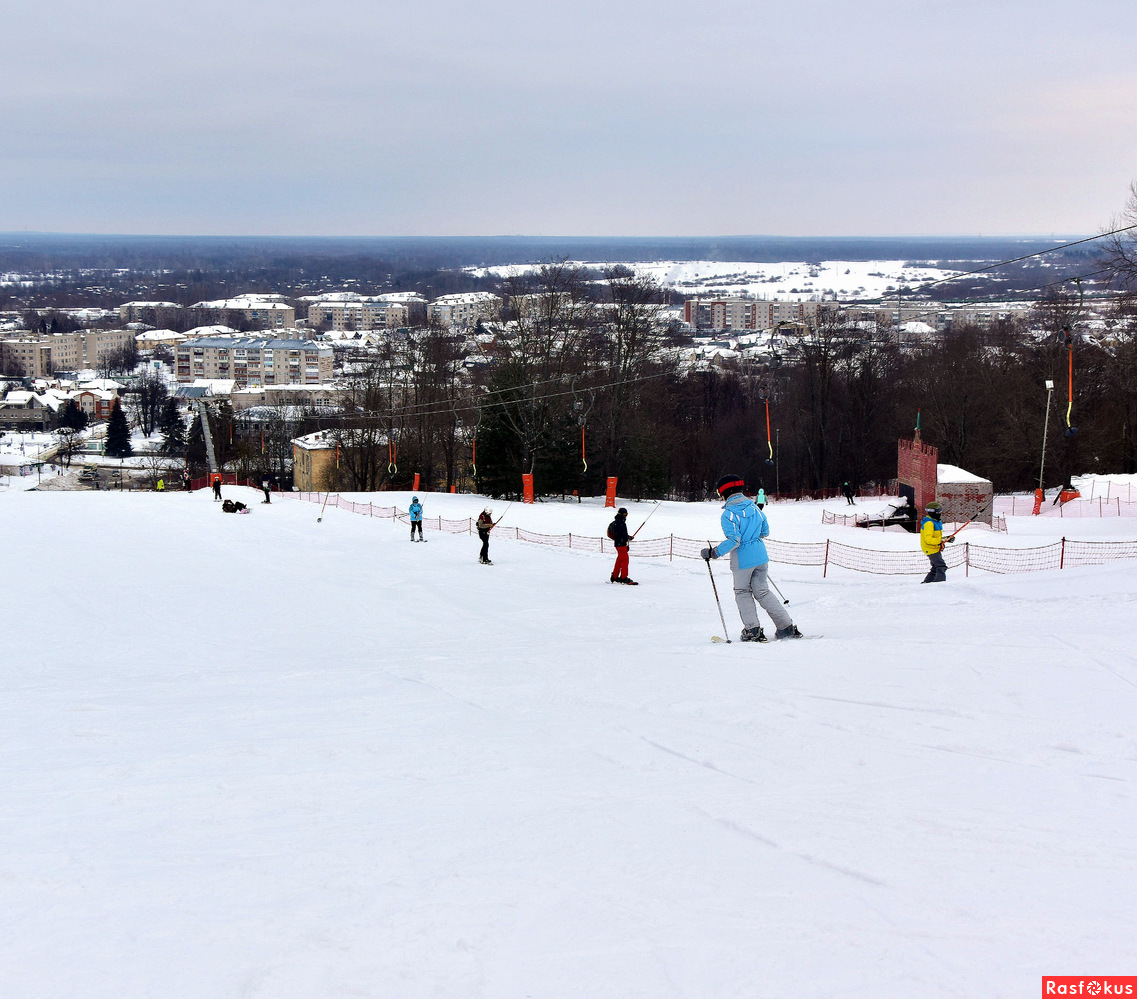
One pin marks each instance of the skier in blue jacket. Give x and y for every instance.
(744, 526)
(416, 517)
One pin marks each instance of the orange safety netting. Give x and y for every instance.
(823, 554)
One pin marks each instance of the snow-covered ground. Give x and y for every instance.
(261, 756)
(795, 280)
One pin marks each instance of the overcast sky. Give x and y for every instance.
(596, 117)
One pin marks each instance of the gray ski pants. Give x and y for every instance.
(749, 586)
(938, 572)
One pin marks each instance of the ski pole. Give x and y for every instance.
(717, 603)
(646, 519)
(776, 590)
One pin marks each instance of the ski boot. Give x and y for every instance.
(788, 632)
(630, 582)
(753, 634)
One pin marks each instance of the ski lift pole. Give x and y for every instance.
(1070, 428)
(647, 518)
(974, 517)
(503, 513)
(769, 442)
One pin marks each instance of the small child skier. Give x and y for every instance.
(932, 542)
(416, 517)
(745, 526)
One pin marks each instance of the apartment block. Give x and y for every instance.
(267, 311)
(366, 314)
(151, 313)
(254, 360)
(465, 310)
(747, 313)
(42, 356)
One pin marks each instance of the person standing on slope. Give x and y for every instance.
(266, 486)
(848, 491)
(484, 525)
(416, 517)
(618, 533)
(932, 542)
(744, 526)
(760, 499)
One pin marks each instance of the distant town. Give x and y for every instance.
(571, 372)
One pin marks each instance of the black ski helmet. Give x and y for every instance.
(622, 512)
(728, 485)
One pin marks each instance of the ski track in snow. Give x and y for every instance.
(257, 756)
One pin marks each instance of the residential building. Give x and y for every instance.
(42, 356)
(254, 360)
(747, 313)
(266, 311)
(151, 313)
(314, 462)
(465, 310)
(379, 312)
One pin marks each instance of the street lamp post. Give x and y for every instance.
(1045, 428)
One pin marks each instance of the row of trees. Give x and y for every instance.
(582, 386)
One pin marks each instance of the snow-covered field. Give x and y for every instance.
(261, 756)
(794, 280)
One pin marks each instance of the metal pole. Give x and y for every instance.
(726, 634)
(1045, 429)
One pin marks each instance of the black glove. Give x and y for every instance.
(949, 541)
(708, 553)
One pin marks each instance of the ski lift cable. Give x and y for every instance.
(481, 403)
(1028, 256)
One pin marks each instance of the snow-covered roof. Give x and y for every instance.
(321, 440)
(953, 474)
(242, 304)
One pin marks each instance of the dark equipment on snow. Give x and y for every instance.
(903, 514)
(321, 517)
(717, 603)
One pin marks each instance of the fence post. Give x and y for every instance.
(1062, 556)
(570, 539)
(825, 569)
(671, 549)
(967, 558)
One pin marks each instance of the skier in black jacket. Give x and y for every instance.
(618, 533)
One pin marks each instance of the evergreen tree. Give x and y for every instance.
(118, 434)
(173, 428)
(196, 458)
(73, 417)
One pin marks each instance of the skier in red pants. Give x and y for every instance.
(618, 532)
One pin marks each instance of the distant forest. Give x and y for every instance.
(104, 271)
